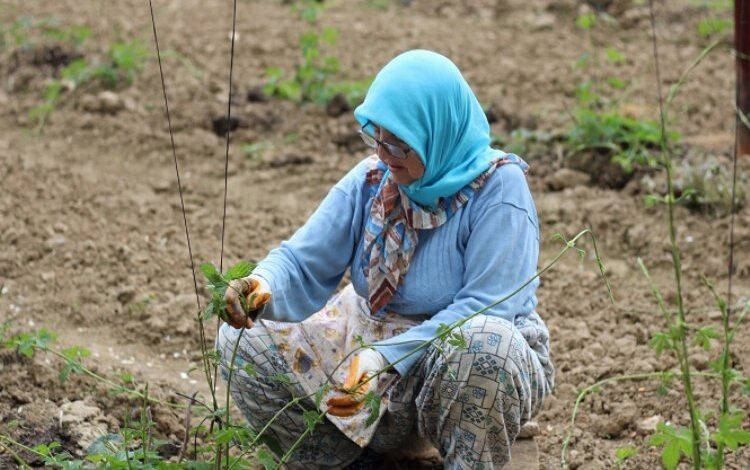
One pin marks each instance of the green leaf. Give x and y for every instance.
(281, 378)
(77, 72)
(372, 402)
(330, 35)
(616, 82)
(266, 459)
(713, 26)
(613, 55)
(704, 336)
(458, 340)
(586, 21)
(730, 431)
(670, 455)
(312, 418)
(321, 393)
(250, 369)
(212, 274)
(239, 270)
(624, 453)
(659, 342)
(224, 436)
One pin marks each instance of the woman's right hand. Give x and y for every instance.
(256, 293)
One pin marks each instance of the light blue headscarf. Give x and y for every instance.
(421, 97)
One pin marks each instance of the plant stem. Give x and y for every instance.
(107, 381)
(297, 443)
(21, 462)
(582, 394)
(458, 323)
(228, 418)
(680, 345)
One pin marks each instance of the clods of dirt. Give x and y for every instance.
(256, 95)
(337, 105)
(599, 166)
(55, 56)
(290, 160)
(221, 125)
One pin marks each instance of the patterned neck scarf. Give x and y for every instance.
(391, 230)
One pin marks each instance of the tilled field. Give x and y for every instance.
(92, 245)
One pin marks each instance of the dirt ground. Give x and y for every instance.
(92, 245)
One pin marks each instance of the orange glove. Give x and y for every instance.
(256, 292)
(362, 366)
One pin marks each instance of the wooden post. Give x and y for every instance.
(742, 48)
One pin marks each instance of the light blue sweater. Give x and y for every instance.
(485, 251)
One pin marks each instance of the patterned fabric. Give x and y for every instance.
(470, 403)
(391, 230)
(317, 348)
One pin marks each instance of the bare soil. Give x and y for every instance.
(92, 244)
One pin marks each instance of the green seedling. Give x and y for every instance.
(312, 80)
(219, 283)
(627, 141)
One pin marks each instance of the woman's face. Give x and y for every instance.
(404, 171)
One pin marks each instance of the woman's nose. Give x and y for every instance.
(383, 154)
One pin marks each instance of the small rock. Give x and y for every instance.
(56, 241)
(648, 425)
(126, 295)
(76, 412)
(528, 430)
(106, 102)
(543, 21)
(617, 268)
(575, 459)
(110, 102)
(566, 178)
(84, 423)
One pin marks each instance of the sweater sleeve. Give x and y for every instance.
(501, 255)
(304, 271)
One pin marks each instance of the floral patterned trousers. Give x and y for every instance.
(470, 402)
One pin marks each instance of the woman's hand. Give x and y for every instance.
(254, 291)
(362, 367)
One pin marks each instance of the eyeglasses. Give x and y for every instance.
(373, 142)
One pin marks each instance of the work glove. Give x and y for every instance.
(351, 394)
(256, 293)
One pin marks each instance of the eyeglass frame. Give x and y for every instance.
(373, 142)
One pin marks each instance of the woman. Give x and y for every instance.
(434, 227)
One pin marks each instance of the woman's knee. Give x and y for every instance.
(253, 353)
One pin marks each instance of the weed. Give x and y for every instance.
(28, 33)
(628, 141)
(598, 124)
(312, 79)
(124, 61)
(719, 19)
(696, 443)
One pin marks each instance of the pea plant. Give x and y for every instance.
(598, 123)
(710, 434)
(312, 80)
(122, 64)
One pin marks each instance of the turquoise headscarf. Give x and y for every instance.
(421, 97)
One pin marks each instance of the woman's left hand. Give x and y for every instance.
(362, 367)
